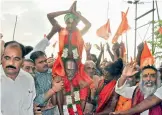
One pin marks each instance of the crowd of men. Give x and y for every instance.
(32, 84)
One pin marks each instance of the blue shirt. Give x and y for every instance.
(43, 82)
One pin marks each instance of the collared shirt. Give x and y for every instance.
(17, 95)
(43, 82)
(127, 92)
(158, 93)
(41, 46)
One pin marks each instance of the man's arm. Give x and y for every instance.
(53, 15)
(87, 47)
(144, 105)
(110, 53)
(140, 49)
(41, 98)
(121, 87)
(100, 55)
(84, 20)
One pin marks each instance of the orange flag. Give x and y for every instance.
(123, 27)
(146, 57)
(160, 30)
(104, 31)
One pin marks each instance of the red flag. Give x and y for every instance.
(146, 57)
(160, 30)
(104, 31)
(123, 27)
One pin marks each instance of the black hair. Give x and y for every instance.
(28, 49)
(115, 69)
(94, 57)
(29, 60)
(35, 55)
(15, 43)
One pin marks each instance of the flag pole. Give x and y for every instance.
(14, 28)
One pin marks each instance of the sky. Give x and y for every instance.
(32, 21)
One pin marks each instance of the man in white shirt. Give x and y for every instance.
(17, 86)
(149, 82)
(144, 105)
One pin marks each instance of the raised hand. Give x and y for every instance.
(115, 47)
(107, 46)
(102, 47)
(129, 70)
(97, 47)
(87, 47)
(73, 7)
(140, 47)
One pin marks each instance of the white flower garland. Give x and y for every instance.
(76, 99)
(75, 53)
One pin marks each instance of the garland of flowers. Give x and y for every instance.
(76, 107)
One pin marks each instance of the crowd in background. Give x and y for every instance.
(32, 84)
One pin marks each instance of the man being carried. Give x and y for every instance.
(70, 38)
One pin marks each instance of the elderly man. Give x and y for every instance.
(149, 82)
(45, 86)
(17, 86)
(90, 69)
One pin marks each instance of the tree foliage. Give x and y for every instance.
(157, 41)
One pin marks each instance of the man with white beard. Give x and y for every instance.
(149, 82)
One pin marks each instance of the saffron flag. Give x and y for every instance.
(123, 27)
(104, 31)
(160, 30)
(146, 56)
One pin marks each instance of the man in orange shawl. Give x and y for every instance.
(70, 38)
(70, 42)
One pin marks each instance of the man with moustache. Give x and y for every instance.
(45, 86)
(17, 86)
(148, 84)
